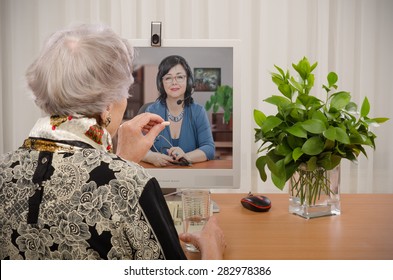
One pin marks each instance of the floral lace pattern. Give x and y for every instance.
(89, 206)
(75, 211)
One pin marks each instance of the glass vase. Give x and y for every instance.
(315, 193)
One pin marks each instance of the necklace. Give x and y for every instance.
(177, 118)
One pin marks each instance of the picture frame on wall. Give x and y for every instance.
(207, 79)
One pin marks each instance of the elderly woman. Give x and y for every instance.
(63, 193)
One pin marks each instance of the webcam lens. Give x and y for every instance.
(155, 39)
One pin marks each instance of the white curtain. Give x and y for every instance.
(354, 38)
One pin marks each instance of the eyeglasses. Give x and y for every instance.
(180, 79)
(164, 149)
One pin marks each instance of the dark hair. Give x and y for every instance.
(167, 64)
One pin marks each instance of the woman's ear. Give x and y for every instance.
(106, 117)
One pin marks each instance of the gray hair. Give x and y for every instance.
(81, 70)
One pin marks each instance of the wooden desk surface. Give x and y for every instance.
(364, 230)
(210, 164)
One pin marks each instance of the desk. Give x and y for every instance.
(364, 230)
(210, 164)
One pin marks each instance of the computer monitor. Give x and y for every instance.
(222, 58)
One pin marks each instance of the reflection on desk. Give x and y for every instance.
(210, 164)
(363, 231)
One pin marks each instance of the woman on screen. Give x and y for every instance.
(188, 138)
(64, 194)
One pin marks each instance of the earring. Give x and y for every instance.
(108, 120)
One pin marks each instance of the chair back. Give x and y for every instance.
(142, 109)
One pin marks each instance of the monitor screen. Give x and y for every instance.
(214, 63)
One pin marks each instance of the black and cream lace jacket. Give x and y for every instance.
(64, 196)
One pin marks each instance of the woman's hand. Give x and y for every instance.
(210, 241)
(158, 159)
(194, 156)
(136, 136)
(176, 153)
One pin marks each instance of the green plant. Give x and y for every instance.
(307, 130)
(221, 98)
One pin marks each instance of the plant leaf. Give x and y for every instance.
(303, 68)
(215, 108)
(351, 107)
(258, 134)
(309, 100)
(283, 149)
(272, 165)
(280, 70)
(286, 90)
(297, 153)
(277, 79)
(315, 126)
(288, 158)
(365, 109)
(329, 161)
(227, 116)
(332, 79)
(313, 146)
(380, 120)
(310, 81)
(330, 133)
(297, 130)
(278, 176)
(277, 100)
(329, 144)
(313, 66)
(259, 117)
(278, 181)
(334, 161)
(340, 100)
(320, 116)
(270, 123)
(341, 136)
(208, 105)
(296, 85)
(260, 164)
(295, 142)
(312, 164)
(357, 138)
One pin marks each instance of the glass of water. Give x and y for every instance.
(196, 206)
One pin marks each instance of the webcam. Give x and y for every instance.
(156, 34)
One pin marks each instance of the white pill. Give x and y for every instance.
(166, 123)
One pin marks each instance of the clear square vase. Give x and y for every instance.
(315, 193)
